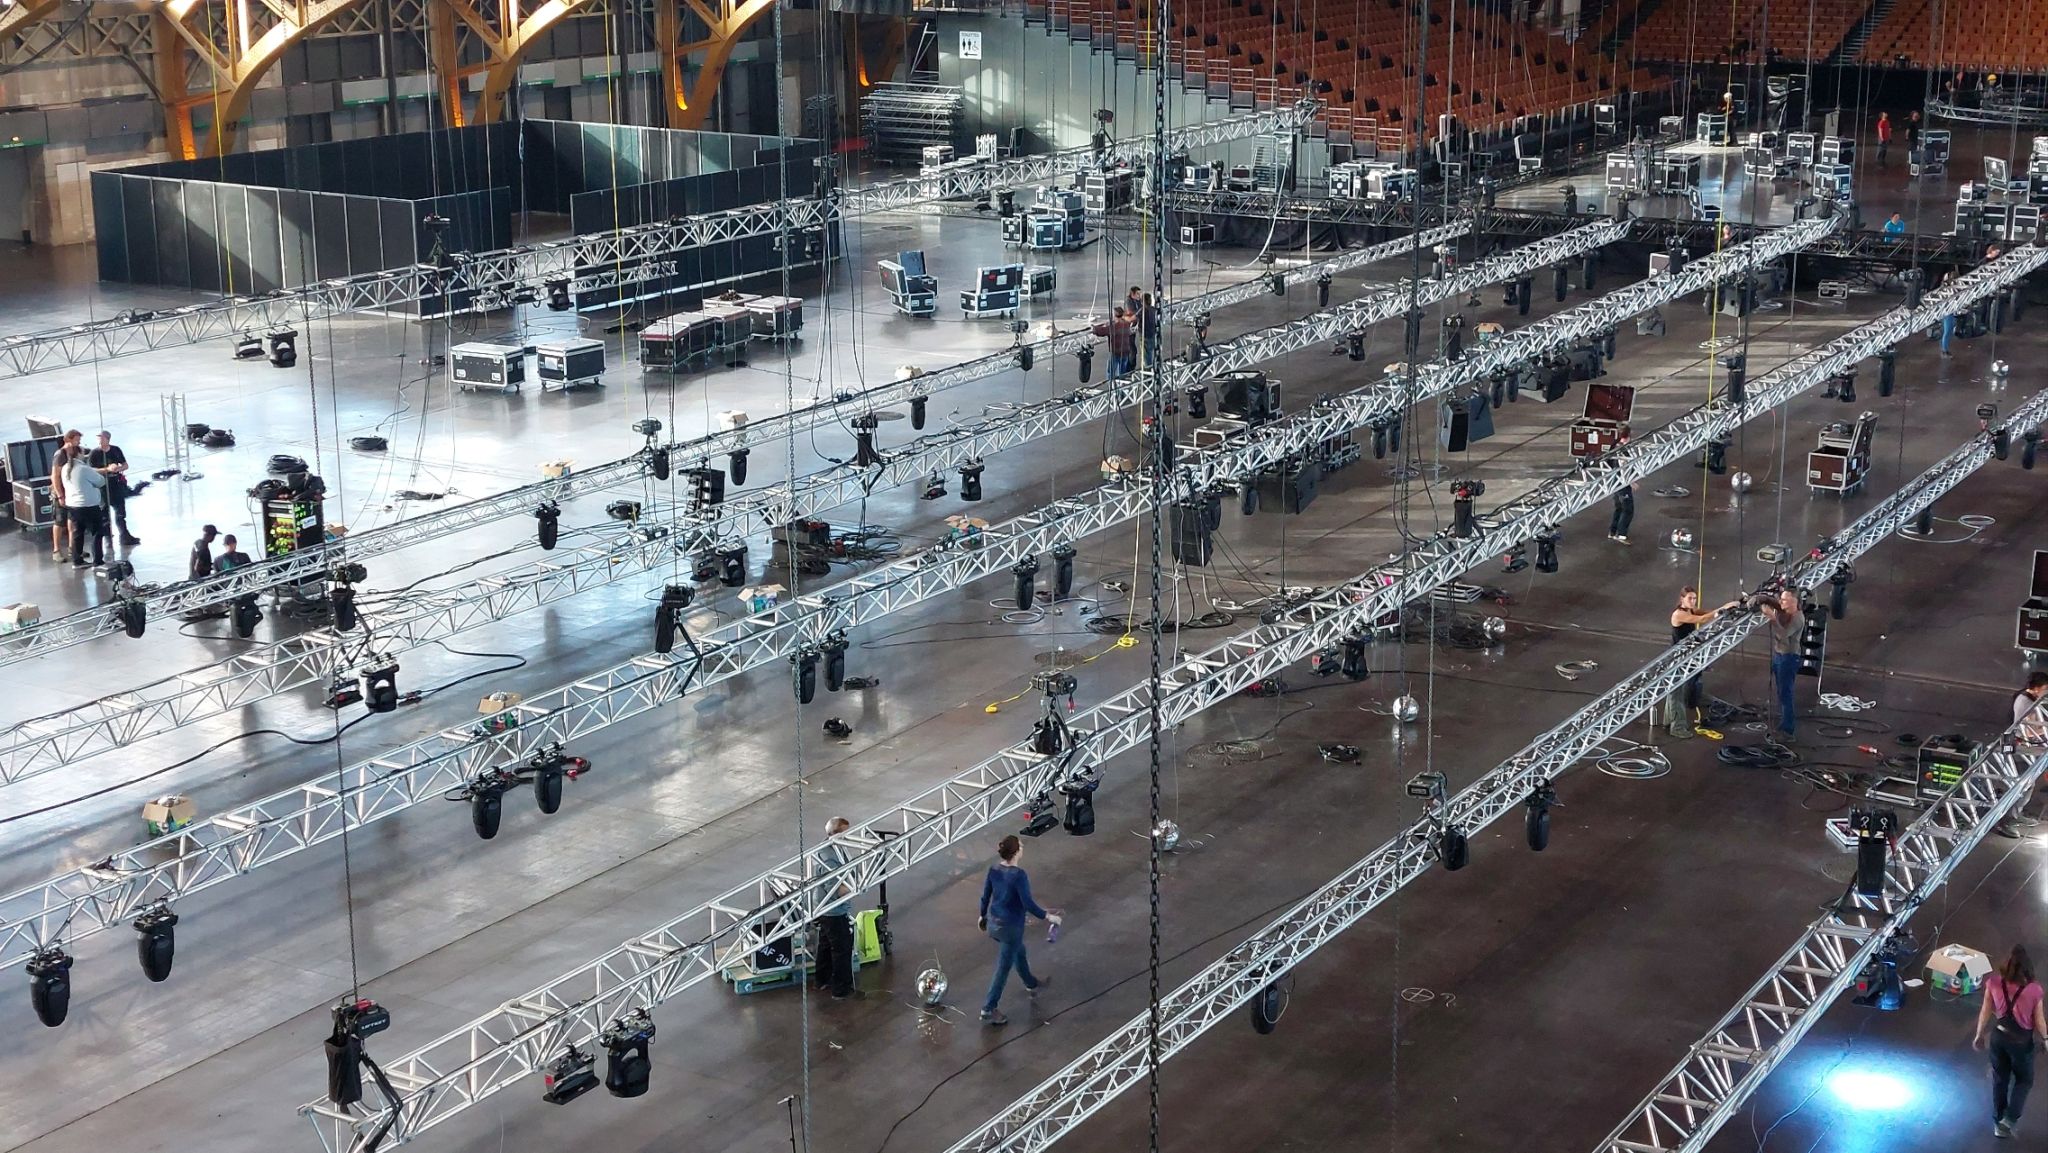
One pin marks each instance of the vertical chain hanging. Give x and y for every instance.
(1160, 465)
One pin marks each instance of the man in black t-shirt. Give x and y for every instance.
(201, 565)
(109, 458)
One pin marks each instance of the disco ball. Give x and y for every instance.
(1407, 709)
(1495, 628)
(1740, 482)
(931, 986)
(1167, 834)
(1681, 539)
(2000, 369)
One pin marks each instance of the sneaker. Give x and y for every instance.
(1621, 538)
(1036, 989)
(993, 1017)
(2021, 820)
(130, 541)
(1681, 733)
(2005, 829)
(2003, 1129)
(851, 995)
(81, 564)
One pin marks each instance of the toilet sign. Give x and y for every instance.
(970, 46)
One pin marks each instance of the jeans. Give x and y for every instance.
(1120, 365)
(117, 503)
(89, 521)
(835, 953)
(1784, 674)
(1948, 332)
(1624, 513)
(1009, 955)
(2012, 1075)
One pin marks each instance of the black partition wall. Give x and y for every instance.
(257, 222)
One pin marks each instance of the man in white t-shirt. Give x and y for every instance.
(2030, 716)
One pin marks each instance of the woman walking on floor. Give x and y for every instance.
(2010, 1021)
(1005, 904)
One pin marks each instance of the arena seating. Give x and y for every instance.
(1719, 32)
(1996, 37)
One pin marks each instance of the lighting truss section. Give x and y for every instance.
(85, 901)
(1723, 1068)
(461, 1068)
(1076, 1092)
(305, 564)
(588, 261)
(34, 747)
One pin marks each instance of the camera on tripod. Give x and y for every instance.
(647, 427)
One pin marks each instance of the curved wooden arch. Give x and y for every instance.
(237, 70)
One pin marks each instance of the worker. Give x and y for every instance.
(231, 556)
(1624, 513)
(835, 922)
(60, 519)
(201, 565)
(1896, 226)
(2030, 722)
(1884, 140)
(1681, 707)
(1006, 906)
(85, 495)
(1123, 343)
(1782, 615)
(2009, 1024)
(113, 463)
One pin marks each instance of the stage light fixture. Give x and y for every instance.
(736, 464)
(156, 942)
(2030, 447)
(624, 511)
(1874, 828)
(1025, 572)
(864, 454)
(1737, 367)
(1355, 666)
(1845, 388)
(1040, 817)
(2001, 443)
(244, 615)
(1587, 268)
(1717, 456)
(134, 614)
(248, 346)
(1063, 572)
(1523, 287)
(1411, 332)
(1560, 281)
(627, 1067)
(1080, 795)
(343, 603)
(1463, 493)
(1354, 345)
(1025, 357)
(568, 1077)
(558, 295)
(1911, 279)
(833, 648)
(1454, 341)
(49, 984)
(1277, 281)
(1887, 371)
(1536, 821)
(353, 1021)
(1198, 402)
(1546, 551)
(1267, 1006)
(803, 671)
(970, 480)
(732, 566)
(1323, 290)
(380, 688)
(1515, 559)
(282, 347)
(1838, 596)
(668, 615)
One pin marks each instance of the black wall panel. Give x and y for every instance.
(110, 224)
(204, 260)
(398, 220)
(330, 235)
(365, 235)
(172, 262)
(138, 207)
(234, 221)
(296, 251)
(266, 249)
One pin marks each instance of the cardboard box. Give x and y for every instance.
(554, 469)
(167, 814)
(1957, 969)
(761, 598)
(19, 615)
(498, 702)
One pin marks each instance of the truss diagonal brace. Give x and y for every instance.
(1084, 1086)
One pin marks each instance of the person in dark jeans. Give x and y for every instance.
(2010, 1023)
(1624, 514)
(111, 461)
(1782, 615)
(1005, 905)
(85, 491)
(835, 923)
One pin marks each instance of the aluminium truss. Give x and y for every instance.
(1076, 1092)
(43, 744)
(460, 1069)
(82, 902)
(589, 261)
(1731, 1061)
(307, 564)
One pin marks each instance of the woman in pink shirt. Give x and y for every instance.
(2010, 1021)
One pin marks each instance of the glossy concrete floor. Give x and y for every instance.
(1557, 986)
